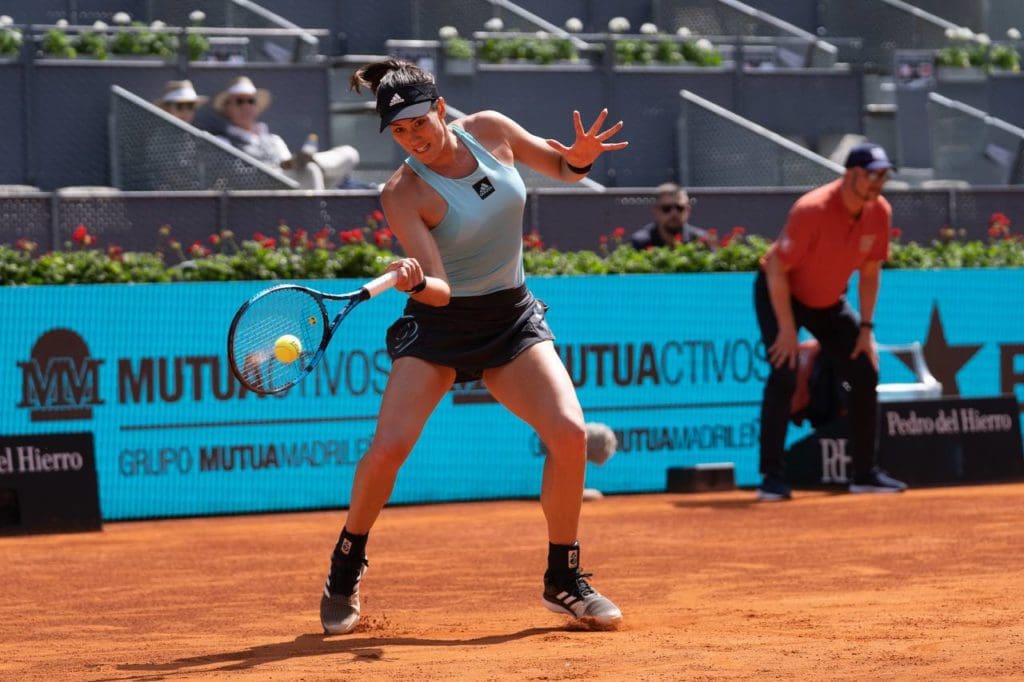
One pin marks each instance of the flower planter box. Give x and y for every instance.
(954, 75)
(459, 67)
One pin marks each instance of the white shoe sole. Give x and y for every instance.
(602, 621)
(868, 489)
(772, 497)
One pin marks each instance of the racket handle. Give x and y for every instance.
(381, 284)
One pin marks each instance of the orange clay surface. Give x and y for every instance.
(926, 585)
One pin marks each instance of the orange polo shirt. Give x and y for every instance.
(823, 244)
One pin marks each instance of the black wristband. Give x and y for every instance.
(576, 169)
(867, 325)
(418, 288)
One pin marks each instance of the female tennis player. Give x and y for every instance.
(456, 207)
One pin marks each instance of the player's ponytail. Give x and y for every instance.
(393, 72)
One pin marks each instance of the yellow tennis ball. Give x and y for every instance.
(287, 348)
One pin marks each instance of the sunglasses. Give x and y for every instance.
(877, 176)
(239, 101)
(183, 106)
(668, 208)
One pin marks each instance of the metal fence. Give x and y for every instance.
(55, 127)
(883, 26)
(717, 148)
(968, 144)
(151, 150)
(566, 218)
(733, 18)
(990, 16)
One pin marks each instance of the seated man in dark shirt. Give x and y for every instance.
(671, 215)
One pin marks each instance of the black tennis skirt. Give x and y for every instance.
(471, 333)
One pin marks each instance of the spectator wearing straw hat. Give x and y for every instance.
(180, 100)
(241, 103)
(170, 154)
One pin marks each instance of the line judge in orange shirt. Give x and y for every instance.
(831, 231)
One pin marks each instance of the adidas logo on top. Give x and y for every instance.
(396, 99)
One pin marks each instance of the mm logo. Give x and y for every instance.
(60, 381)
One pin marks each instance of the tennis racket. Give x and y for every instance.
(293, 316)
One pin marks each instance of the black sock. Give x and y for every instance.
(563, 560)
(351, 546)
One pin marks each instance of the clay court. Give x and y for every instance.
(926, 585)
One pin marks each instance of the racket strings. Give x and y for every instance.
(267, 319)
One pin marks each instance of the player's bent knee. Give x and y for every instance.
(567, 435)
(389, 452)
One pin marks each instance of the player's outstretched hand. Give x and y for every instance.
(590, 143)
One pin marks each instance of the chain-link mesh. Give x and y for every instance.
(973, 210)
(251, 212)
(24, 215)
(966, 144)
(152, 151)
(719, 149)
(919, 213)
(883, 26)
(726, 18)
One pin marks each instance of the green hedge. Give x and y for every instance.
(365, 252)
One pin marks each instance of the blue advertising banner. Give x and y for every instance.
(673, 363)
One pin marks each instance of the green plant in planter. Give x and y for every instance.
(126, 41)
(1005, 58)
(455, 47)
(93, 42)
(953, 56)
(198, 45)
(11, 38)
(56, 43)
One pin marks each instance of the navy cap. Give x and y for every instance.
(404, 101)
(869, 156)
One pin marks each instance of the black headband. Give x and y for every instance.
(392, 101)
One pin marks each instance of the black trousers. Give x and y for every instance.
(836, 329)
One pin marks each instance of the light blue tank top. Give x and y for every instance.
(481, 235)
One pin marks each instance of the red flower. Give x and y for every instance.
(999, 218)
(353, 236)
(896, 233)
(80, 233)
(378, 216)
(382, 237)
(269, 242)
(258, 236)
(197, 250)
(115, 251)
(739, 229)
(619, 232)
(214, 239)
